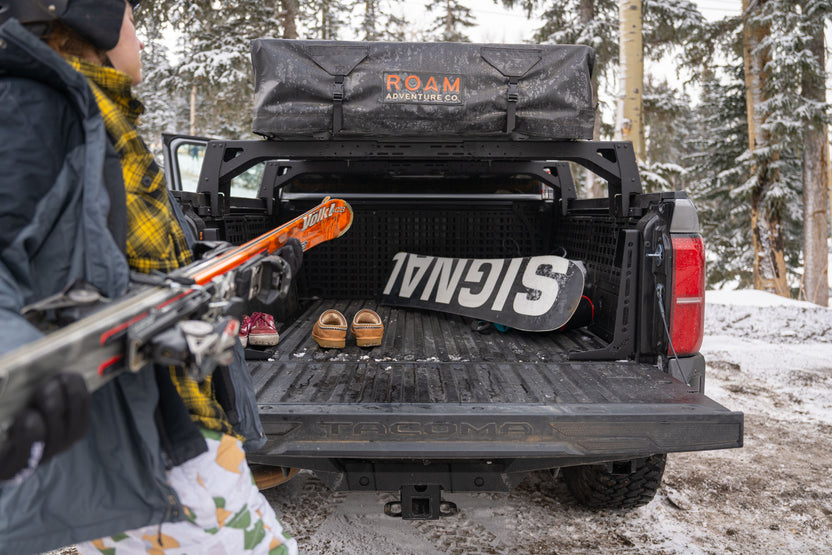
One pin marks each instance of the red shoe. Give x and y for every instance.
(245, 328)
(262, 331)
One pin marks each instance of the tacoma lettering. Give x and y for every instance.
(448, 430)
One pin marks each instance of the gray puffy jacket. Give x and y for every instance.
(58, 224)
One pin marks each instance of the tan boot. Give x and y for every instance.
(330, 331)
(367, 328)
(266, 476)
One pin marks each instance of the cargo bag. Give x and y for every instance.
(326, 90)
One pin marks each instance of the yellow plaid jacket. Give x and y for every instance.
(155, 241)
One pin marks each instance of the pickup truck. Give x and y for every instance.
(447, 403)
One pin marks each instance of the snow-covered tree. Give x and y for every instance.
(211, 78)
(718, 167)
(163, 107)
(325, 19)
(450, 22)
(668, 123)
(815, 152)
(777, 59)
(669, 26)
(378, 22)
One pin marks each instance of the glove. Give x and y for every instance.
(292, 252)
(57, 417)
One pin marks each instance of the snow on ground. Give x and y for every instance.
(766, 317)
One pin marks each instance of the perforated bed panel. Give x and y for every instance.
(357, 264)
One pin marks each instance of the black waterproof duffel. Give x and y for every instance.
(326, 89)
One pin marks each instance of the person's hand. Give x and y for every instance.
(292, 252)
(57, 417)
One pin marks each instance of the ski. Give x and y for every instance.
(184, 318)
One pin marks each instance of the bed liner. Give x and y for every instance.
(436, 388)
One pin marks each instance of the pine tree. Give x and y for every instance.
(667, 25)
(163, 107)
(668, 120)
(452, 19)
(776, 55)
(325, 18)
(213, 62)
(379, 23)
(718, 167)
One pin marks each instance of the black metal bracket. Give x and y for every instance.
(623, 343)
(614, 162)
(420, 502)
(278, 173)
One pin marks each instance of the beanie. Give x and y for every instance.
(99, 21)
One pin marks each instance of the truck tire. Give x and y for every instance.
(621, 485)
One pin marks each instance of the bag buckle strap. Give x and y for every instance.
(512, 96)
(337, 104)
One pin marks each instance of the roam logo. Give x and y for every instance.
(422, 88)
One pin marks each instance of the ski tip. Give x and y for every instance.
(349, 222)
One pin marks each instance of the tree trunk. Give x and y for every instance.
(193, 110)
(628, 126)
(289, 15)
(754, 75)
(449, 20)
(815, 189)
(370, 20)
(766, 230)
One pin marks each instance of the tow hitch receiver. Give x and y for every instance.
(420, 503)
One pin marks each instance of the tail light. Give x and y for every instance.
(687, 308)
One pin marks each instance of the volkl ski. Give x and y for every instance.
(185, 318)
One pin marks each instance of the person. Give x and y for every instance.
(153, 461)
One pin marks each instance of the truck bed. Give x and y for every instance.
(437, 389)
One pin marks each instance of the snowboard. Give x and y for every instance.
(537, 293)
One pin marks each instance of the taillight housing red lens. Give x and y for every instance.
(687, 308)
